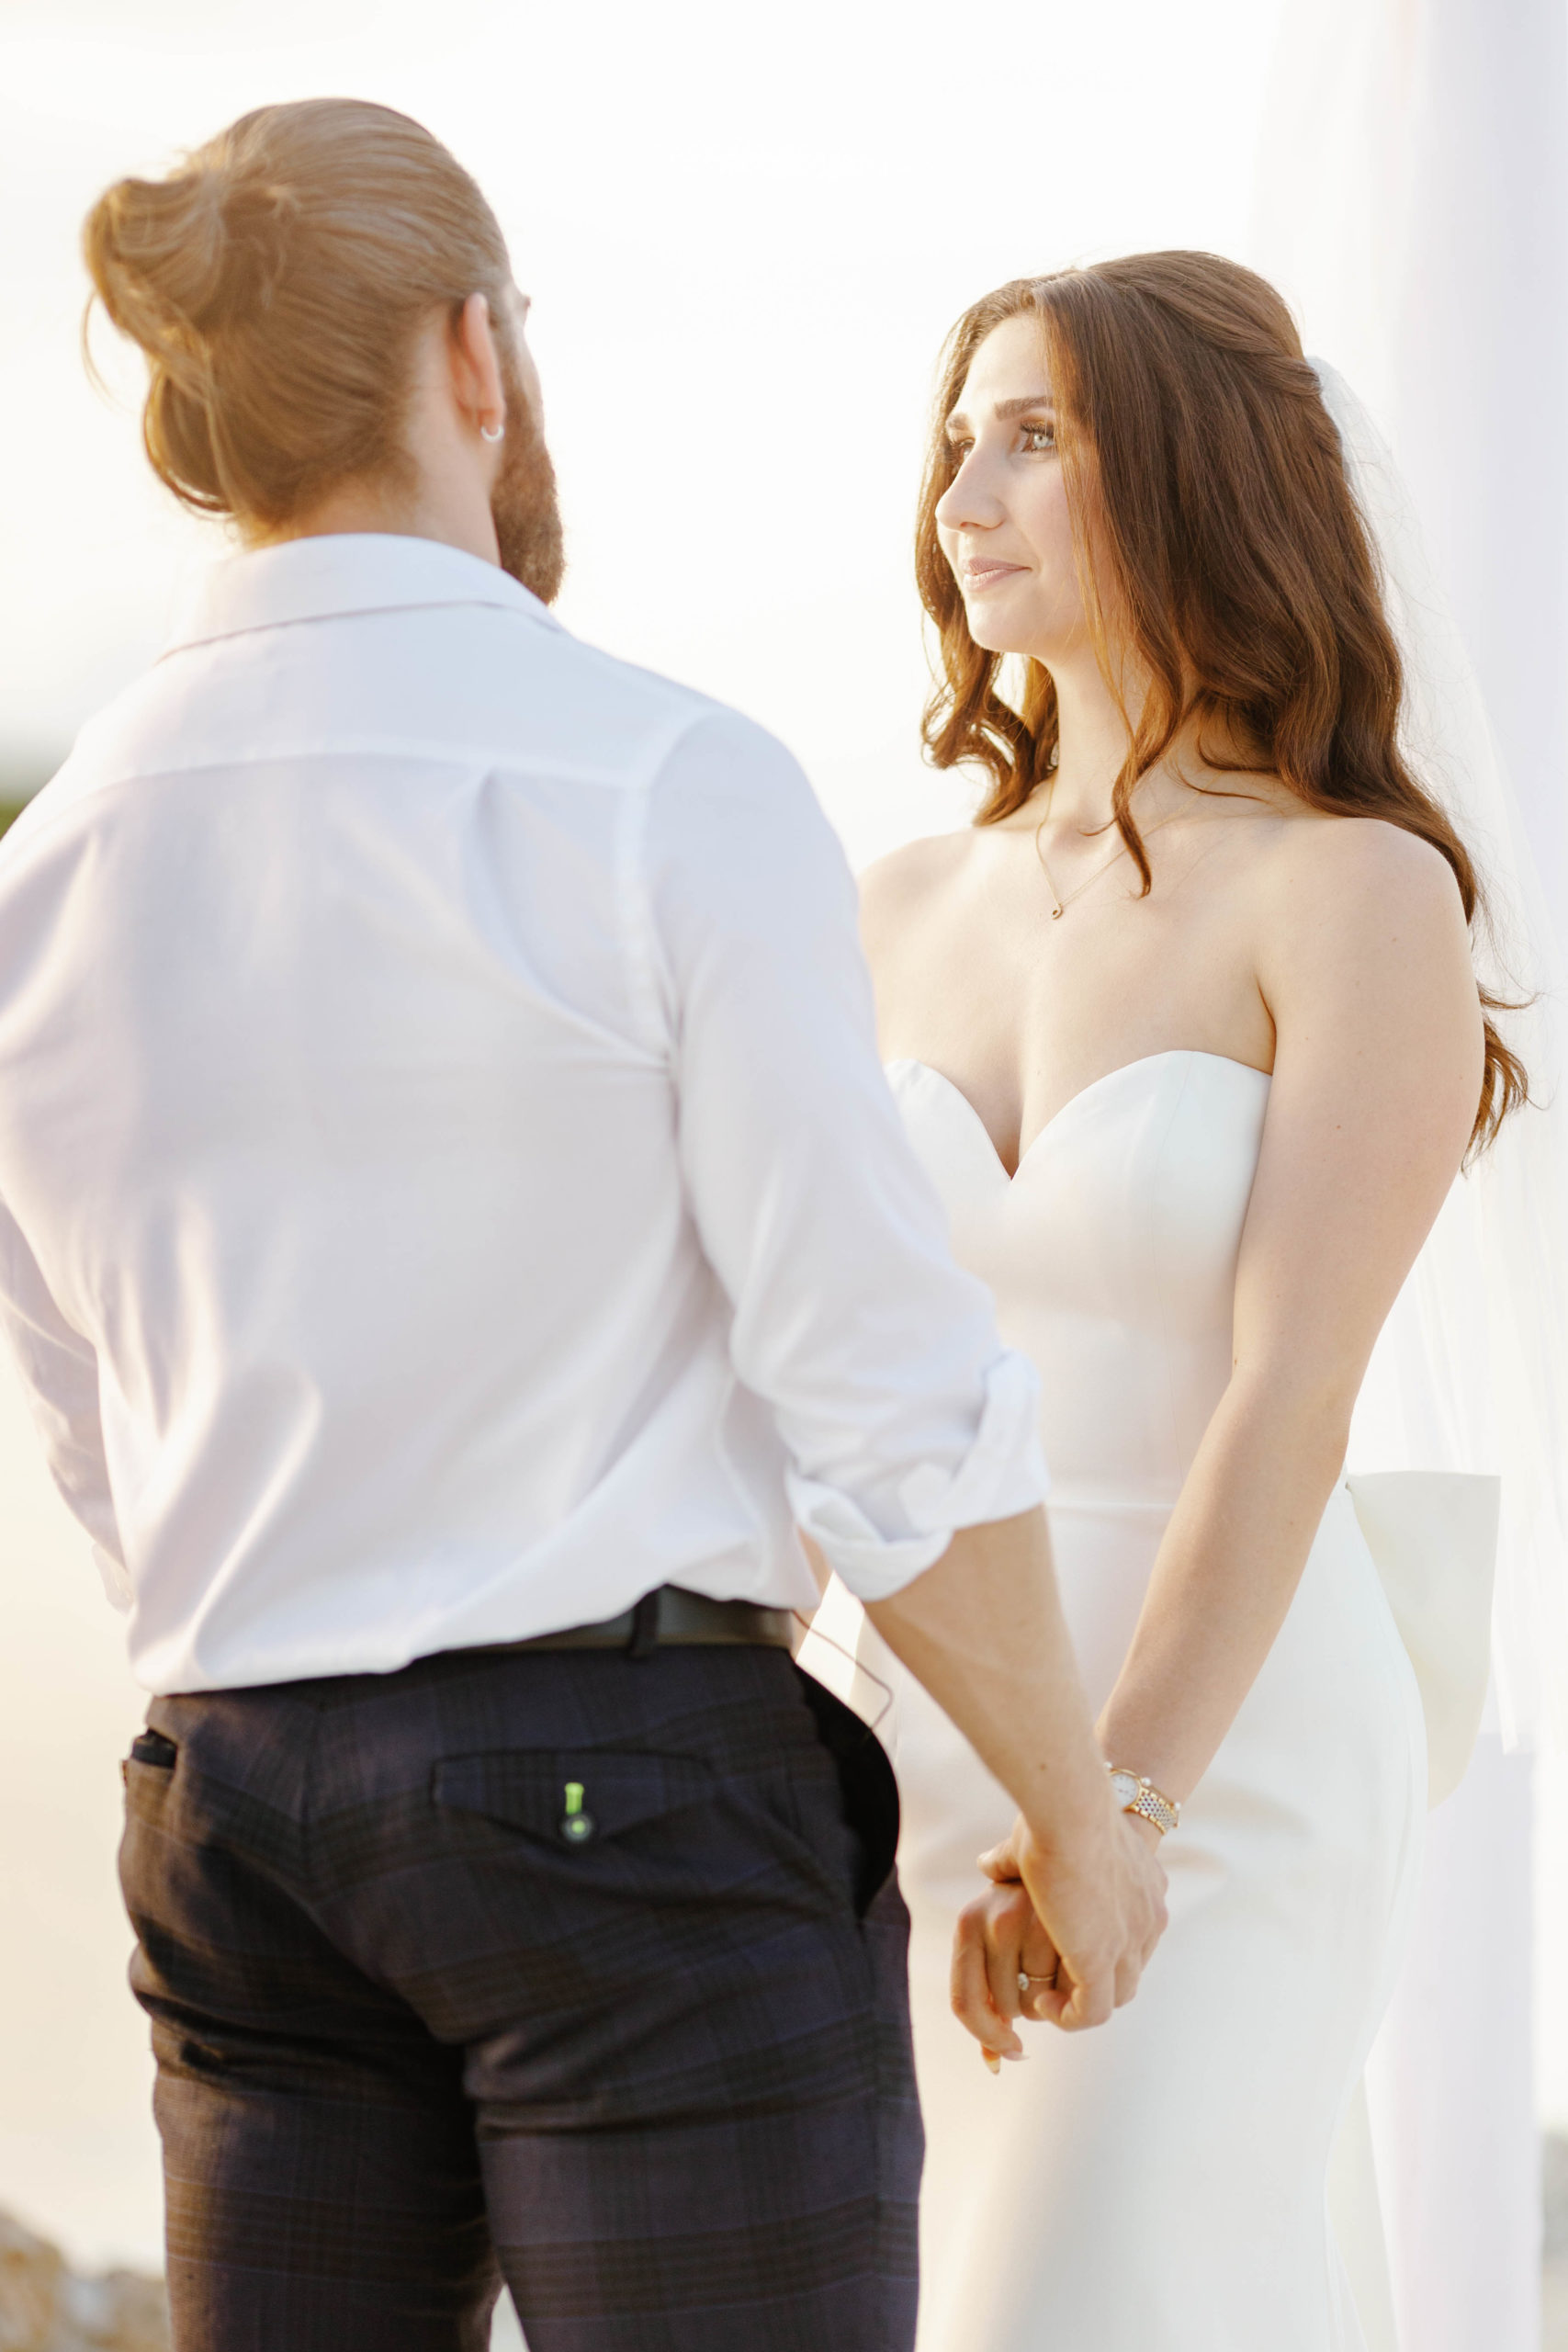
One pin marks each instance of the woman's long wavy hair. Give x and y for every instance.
(1229, 562)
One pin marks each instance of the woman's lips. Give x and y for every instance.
(977, 577)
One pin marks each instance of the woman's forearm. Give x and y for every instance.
(1226, 1576)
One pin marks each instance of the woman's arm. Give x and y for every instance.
(1367, 973)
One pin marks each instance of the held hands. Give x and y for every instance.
(1082, 1924)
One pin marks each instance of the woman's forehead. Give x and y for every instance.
(1012, 363)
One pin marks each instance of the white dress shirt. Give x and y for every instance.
(446, 1182)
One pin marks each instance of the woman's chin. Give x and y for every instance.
(995, 636)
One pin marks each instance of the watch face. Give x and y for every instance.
(1126, 1785)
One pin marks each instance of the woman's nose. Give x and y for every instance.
(967, 505)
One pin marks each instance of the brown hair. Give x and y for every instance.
(278, 282)
(1229, 557)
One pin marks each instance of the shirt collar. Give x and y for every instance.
(357, 572)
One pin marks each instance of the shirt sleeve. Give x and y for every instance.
(59, 1373)
(902, 1416)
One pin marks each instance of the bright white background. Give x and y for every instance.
(745, 233)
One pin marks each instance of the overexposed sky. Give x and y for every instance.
(745, 233)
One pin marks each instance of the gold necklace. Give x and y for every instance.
(1059, 904)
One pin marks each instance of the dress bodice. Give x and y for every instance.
(1111, 1253)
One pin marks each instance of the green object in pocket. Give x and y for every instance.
(577, 1823)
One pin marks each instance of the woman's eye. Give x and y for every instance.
(958, 451)
(1039, 438)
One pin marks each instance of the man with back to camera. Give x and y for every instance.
(455, 1229)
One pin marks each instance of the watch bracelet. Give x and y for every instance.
(1151, 1805)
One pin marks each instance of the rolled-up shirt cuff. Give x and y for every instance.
(1003, 1474)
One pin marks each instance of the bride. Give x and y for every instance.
(1188, 1031)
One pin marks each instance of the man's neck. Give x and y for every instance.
(448, 510)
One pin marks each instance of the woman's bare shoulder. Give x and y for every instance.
(1368, 860)
(902, 884)
(1362, 919)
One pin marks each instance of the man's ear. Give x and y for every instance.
(476, 367)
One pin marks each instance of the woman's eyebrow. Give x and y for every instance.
(1004, 411)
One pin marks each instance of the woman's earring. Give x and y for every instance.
(498, 434)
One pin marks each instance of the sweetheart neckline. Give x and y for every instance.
(1141, 1061)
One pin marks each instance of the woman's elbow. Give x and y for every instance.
(1305, 1408)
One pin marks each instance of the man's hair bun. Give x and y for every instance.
(276, 282)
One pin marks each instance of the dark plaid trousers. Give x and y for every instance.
(584, 1969)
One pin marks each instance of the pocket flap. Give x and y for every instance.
(571, 1796)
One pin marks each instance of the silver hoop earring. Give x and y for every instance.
(486, 434)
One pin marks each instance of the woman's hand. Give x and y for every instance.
(999, 1938)
(1084, 1935)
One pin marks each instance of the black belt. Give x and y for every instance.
(669, 1614)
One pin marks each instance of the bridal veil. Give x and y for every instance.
(1470, 1374)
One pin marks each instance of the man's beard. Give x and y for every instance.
(523, 504)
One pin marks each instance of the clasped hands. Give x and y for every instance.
(1080, 1925)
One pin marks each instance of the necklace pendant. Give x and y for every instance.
(1057, 914)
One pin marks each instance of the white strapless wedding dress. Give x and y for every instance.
(1158, 2185)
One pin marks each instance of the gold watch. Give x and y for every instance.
(1134, 1793)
